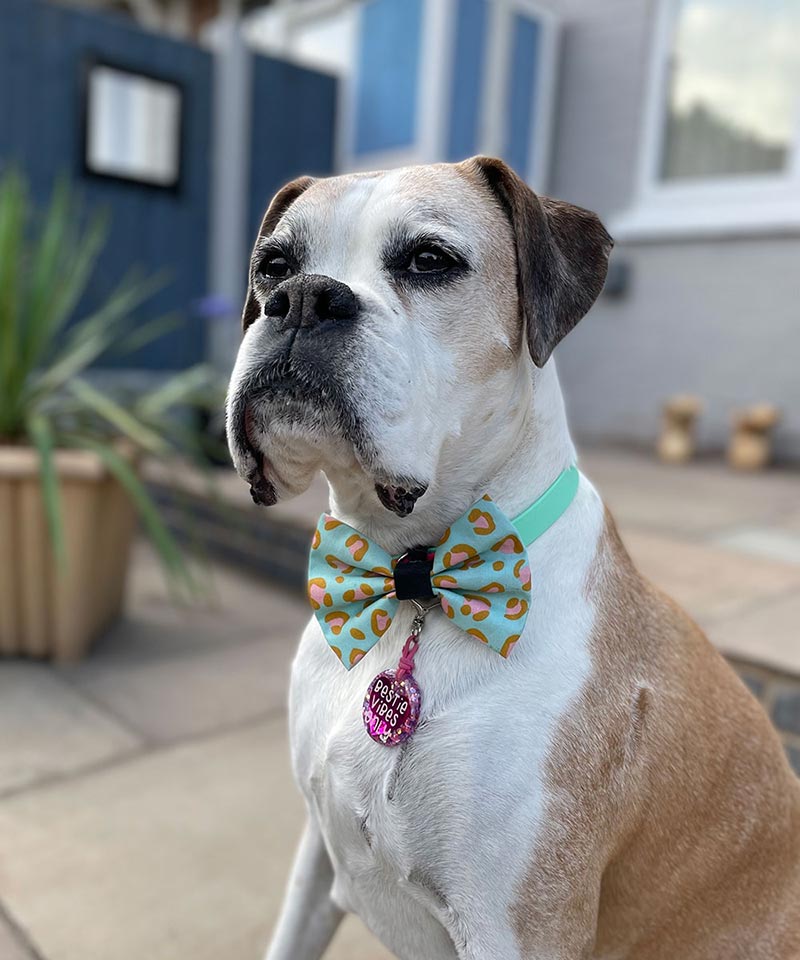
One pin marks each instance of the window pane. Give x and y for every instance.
(133, 127)
(733, 98)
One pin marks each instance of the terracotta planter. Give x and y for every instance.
(47, 610)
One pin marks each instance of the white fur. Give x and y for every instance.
(428, 843)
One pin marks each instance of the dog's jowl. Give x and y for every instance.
(585, 776)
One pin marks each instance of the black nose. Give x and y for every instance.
(309, 300)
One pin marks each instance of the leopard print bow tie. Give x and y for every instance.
(478, 571)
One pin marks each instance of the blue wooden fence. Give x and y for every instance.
(44, 52)
(293, 128)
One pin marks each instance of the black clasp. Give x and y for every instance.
(412, 575)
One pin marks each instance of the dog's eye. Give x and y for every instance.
(275, 265)
(429, 259)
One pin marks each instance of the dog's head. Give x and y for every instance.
(392, 318)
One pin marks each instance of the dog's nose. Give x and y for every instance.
(309, 300)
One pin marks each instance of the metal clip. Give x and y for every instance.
(419, 620)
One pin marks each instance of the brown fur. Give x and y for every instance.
(561, 251)
(673, 832)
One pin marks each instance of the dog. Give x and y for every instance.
(611, 789)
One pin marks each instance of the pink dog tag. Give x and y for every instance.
(391, 706)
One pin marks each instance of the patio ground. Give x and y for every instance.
(146, 804)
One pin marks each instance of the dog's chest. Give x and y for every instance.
(429, 823)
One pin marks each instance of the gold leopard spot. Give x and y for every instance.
(363, 591)
(478, 634)
(458, 554)
(508, 645)
(330, 524)
(482, 522)
(338, 564)
(357, 546)
(509, 544)
(498, 565)
(356, 655)
(317, 593)
(315, 540)
(515, 609)
(478, 608)
(336, 620)
(444, 581)
(337, 651)
(493, 587)
(379, 621)
(357, 634)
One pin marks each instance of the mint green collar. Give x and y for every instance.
(543, 513)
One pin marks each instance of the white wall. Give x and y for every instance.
(720, 318)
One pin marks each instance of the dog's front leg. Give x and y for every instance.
(308, 918)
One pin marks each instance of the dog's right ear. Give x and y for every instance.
(280, 203)
(562, 255)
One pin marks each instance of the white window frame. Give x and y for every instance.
(712, 206)
(436, 73)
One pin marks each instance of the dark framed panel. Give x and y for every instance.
(132, 125)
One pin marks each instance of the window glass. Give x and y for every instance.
(733, 94)
(133, 127)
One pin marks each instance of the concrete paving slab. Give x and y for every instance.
(791, 521)
(694, 500)
(710, 582)
(770, 542)
(170, 698)
(768, 633)
(180, 853)
(233, 606)
(47, 730)
(173, 672)
(11, 947)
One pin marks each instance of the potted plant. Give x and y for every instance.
(70, 487)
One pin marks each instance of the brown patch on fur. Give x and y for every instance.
(672, 830)
(502, 268)
(280, 203)
(561, 253)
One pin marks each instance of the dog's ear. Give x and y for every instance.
(280, 203)
(562, 256)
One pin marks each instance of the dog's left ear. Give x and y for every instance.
(562, 256)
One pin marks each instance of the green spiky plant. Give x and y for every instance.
(47, 400)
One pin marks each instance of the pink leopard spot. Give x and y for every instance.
(476, 608)
(508, 646)
(508, 544)
(336, 621)
(516, 609)
(482, 522)
(362, 592)
(357, 547)
(316, 592)
(380, 621)
(445, 582)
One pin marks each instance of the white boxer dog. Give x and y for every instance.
(610, 788)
